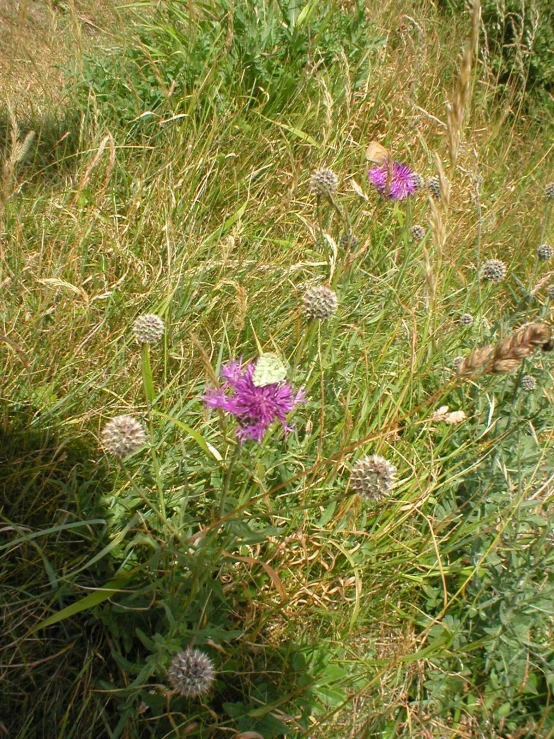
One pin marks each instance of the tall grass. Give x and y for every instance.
(186, 194)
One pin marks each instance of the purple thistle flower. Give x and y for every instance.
(402, 181)
(255, 408)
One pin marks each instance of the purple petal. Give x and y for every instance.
(401, 182)
(255, 408)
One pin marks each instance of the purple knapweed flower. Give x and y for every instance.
(402, 183)
(255, 408)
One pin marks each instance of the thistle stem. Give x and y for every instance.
(150, 394)
(227, 479)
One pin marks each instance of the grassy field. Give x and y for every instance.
(159, 159)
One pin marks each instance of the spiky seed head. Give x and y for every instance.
(123, 436)
(324, 182)
(349, 241)
(544, 252)
(528, 382)
(418, 232)
(457, 363)
(372, 477)
(191, 673)
(549, 191)
(434, 186)
(148, 329)
(319, 303)
(494, 270)
(418, 181)
(466, 319)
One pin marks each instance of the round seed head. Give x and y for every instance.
(324, 182)
(528, 382)
(123, 436)
(549, 191)
(457, 363)
(418, 181)
(319, 303)
(544, 252)
(349, 241)
(148, 329)
(372, 477)
(191, 673)
(494, 270)
(418, 232)
(466, 319)
(434, 187)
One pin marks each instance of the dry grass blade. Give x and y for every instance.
(106, 141)
(17, 349)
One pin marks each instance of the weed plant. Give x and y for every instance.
(381, 563)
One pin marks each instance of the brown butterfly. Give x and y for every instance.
(380, 156)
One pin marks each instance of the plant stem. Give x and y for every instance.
(227, 479)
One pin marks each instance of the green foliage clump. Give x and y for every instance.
(228, 55)
(518, 41)
(494, 641)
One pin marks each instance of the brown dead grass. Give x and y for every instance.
(38, 38)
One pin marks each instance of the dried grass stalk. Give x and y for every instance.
(506, 355)
(457, 111)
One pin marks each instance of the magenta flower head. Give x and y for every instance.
(255, 408)
(403, 182)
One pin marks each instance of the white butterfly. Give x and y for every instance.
(269, 370)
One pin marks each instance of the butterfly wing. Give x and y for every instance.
(376, 153)
(269, 370)
(380, 156)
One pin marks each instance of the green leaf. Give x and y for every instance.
(198, 438)
(52, 530)
(91, 600)
(296, 131)
(305, 14)
(328, 513)
(147, 376)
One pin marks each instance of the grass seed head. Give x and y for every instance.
(418, 233)
(494, 270)
(528, 382)
(544, 252)
(149, 329)
(507, 355)
(440, 414)
(373, 477)
(319, 303)
(123, 436)
(324, 182)
(191, 673)
(455, 417)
